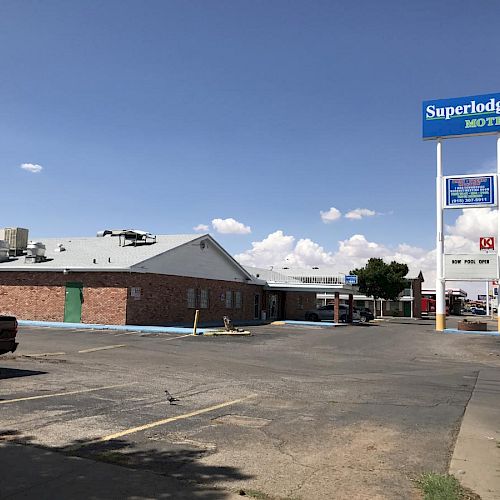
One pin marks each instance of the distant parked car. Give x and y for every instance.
(8, 332)
(478, 311)
(365, 314)
(325, 313)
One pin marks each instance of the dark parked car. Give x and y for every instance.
(325, 313)
(365, 314)
(8, 332)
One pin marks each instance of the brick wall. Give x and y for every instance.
(297, 303)
(40, 296)
(107, 297)
(163, 299)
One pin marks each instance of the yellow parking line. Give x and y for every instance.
(133, 430)
(44, 354)
(63, 393)
(102, 348)
(179, 336)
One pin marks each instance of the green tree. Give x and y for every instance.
(380, 280)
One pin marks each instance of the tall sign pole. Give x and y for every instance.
(462, 117)
(498, 228)
(440, 283)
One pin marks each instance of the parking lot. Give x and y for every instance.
(290, 412)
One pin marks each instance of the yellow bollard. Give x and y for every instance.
(440, 322)
(196, 316)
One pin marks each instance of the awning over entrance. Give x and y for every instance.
(278, 284)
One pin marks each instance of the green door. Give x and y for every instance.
(407, 309)
(73, 303)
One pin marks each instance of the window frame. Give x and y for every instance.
(204, 301)
(229, 299)
(238, 299)
(191, 298)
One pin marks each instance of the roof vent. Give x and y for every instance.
(130, 236)
(35, 252)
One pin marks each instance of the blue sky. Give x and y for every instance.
(163, 115)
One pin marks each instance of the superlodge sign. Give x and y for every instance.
(461, 116)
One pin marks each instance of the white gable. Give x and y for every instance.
(199, 259)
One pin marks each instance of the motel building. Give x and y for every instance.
(280, 283)
(407, 305)
(132, 277)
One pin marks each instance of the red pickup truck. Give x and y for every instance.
(8, 332)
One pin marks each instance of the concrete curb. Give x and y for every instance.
(121, 328)
(215, 333)
(477, 453)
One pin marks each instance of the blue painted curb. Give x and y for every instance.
(475, 332)
(123, 328)
(319, 324)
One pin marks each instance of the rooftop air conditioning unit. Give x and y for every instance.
(4, 250)
(16, 237)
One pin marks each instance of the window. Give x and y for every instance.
(237, 300)
(191, 298)
(300, 302)
(256, 306)
(203, 298)
(229, 299)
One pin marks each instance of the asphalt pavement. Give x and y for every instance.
(290, 412)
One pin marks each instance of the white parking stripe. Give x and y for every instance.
(106, 347)
(3, 402)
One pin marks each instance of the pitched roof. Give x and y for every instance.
(81, 252)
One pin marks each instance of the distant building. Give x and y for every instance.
(455, 298)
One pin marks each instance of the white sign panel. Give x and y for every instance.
(469, 266)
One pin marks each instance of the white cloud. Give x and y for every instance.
(201, 227)
(230, 226)
(474, 223)
(281, 250)
(331, 215)
(270, 251)
(31, 167)
(359, 213)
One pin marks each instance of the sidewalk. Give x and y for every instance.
(476, 458)
(122, 328)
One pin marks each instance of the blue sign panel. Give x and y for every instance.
(470, 191)
(351, 279)
(461, 116)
